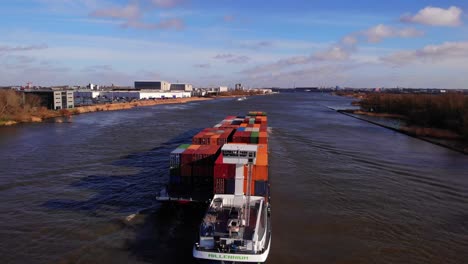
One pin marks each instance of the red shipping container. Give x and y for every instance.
(222, 170)
(218, 186)
(186, 170)
(187, 155)
(202, 170)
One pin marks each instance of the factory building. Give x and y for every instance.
(181, 87)
(153, 85)
(85, 97)
(223, 89)
(55, 100)
(218, 89)
(144, 94)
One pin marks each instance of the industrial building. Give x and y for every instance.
(181, 87)
(144, 94)
(85, 97)
(153, 85)
(218, 89)
(53, 99)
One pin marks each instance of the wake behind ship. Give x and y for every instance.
(227, 166)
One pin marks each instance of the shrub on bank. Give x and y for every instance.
(445, 111)
(20, 107)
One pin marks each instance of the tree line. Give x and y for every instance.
(444, 111)
(16, 106)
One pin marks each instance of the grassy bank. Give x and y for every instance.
(423, 113)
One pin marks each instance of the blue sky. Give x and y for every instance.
(258, 43)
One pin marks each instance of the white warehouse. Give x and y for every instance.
(145, 94)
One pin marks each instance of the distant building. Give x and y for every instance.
(218, 89)
(144, 94)
(181, 87)
(152, 85)
(223, 88)
(55, 99)
(239, 87)
(93, 86)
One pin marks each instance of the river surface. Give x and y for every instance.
(343, 190)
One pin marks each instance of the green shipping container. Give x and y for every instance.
(254, 137)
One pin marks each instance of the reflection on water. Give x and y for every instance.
(343, 190)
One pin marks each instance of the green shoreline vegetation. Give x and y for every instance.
(441, 119)
(444, 111)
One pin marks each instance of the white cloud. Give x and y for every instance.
(335, 53)
(349, 40)
(132, 15)
(381, 31)
(434, 53)
(436, 16)
(4, 48)
(172, 23)
(129, 12)
(231, 58)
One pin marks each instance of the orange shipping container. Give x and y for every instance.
(259, 172)
(214, 139)
(263, 138)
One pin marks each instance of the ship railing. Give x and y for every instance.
(257, 225)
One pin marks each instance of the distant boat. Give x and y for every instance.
(308, 90)
(242, 98)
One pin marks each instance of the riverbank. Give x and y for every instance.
(44, 114)
(440, 137)
(129, 105)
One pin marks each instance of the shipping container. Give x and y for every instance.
(230, 185)
(213, 136)
(261, 188)
(222, 170)
(199, 166)
(186, 170)
(175, 157)
(259, 172)
(219, 186)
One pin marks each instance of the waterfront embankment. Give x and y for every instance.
(128, 105)
(15, 110)
(439, 119)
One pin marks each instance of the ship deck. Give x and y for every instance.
(221, 217)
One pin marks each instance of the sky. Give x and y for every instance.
(275, 43)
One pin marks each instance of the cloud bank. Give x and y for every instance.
(435, 16)
(133, 13)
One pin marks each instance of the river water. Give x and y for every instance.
(343, 190)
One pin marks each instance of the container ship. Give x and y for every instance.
(227, 167)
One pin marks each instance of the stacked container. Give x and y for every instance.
(192, 168)
(252, 130)
(213, 136)
(200, 167)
